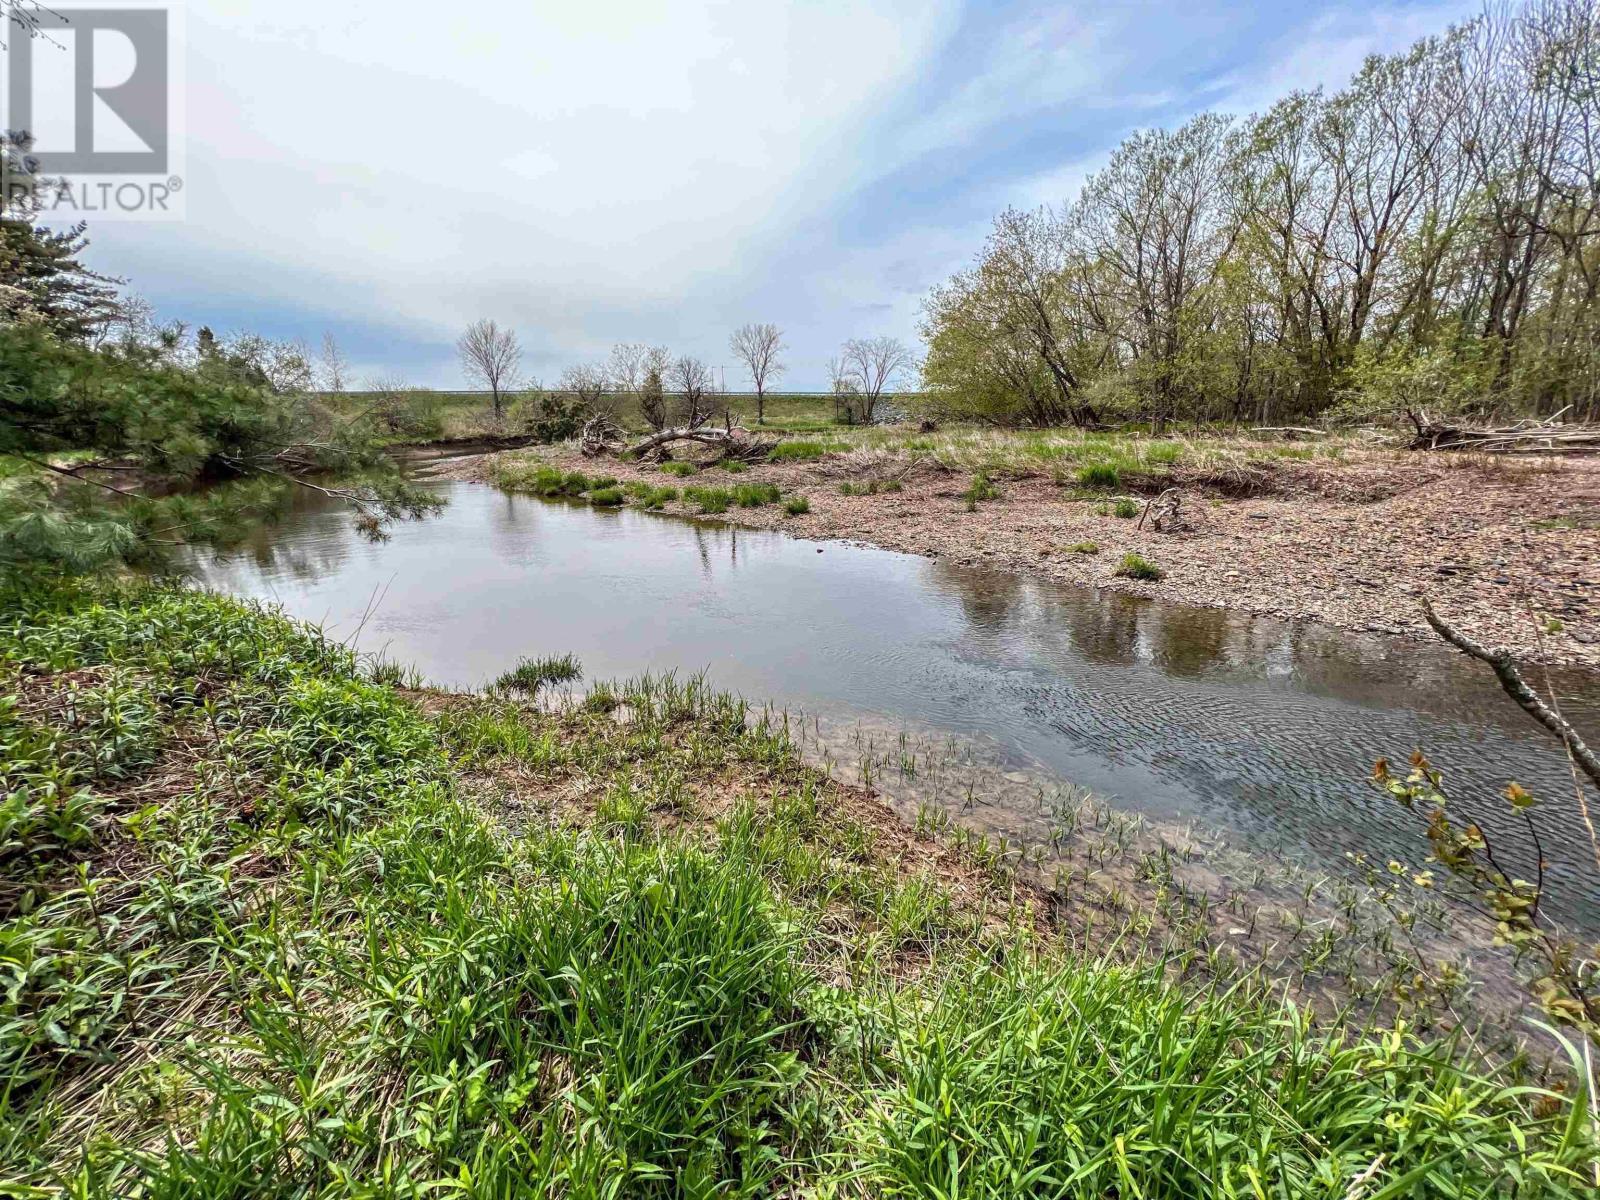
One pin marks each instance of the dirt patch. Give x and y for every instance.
(1509, 549)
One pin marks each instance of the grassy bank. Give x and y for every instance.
(273, 928)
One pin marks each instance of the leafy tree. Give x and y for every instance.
(113, 446)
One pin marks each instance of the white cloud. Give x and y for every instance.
(559, 166)
(1331, 49)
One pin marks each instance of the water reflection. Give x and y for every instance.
(1264, 729)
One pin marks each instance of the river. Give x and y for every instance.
(1262, 730)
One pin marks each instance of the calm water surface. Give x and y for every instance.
(1261, 729)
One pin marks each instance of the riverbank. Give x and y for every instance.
(273, 924)
(1344, 534)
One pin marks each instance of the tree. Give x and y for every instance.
(128, 412)
(696, 388)
(872, 364)
(491, 356)
(758, 347)
(335, 369)
(1436, 218)
(587, 385)
(41, 278)
(844, 391)
(653, 398)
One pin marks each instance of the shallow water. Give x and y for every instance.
(1264, 730)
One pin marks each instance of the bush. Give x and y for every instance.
(554, 416)
(1136, 566)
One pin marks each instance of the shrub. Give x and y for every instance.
(796, 506)
(554, 416)
(1136, 566)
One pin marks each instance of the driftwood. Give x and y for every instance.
(600, 436)
(734, 442)
(1505, 670)
(1549, 436)
(1290, 432)
(1163, 511)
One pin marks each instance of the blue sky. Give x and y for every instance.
(390, 170)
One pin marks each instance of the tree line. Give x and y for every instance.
(664, 389)
(1426, 237)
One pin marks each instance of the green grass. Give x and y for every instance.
(262, 936)
(719, 500)
(678, 468)
(803, 451)
(796, 506)
(754, 495)
(709, 499)
(1136, 566)
(979, 489)
(1084, 548)
(650, 496)
(1125, 508)
(1100, 477)
(606, 497)
(532, 674)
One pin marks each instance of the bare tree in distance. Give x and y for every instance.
(844, 390)
(758, 347)
(335, 368)
(872, 364)
(627, 366)
(587, 384)
(694, 383)
(492, 356)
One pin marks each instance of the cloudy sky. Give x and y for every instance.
(389, 170)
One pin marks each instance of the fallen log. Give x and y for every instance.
(600, 436)
(733, 443)
(1523, 437)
